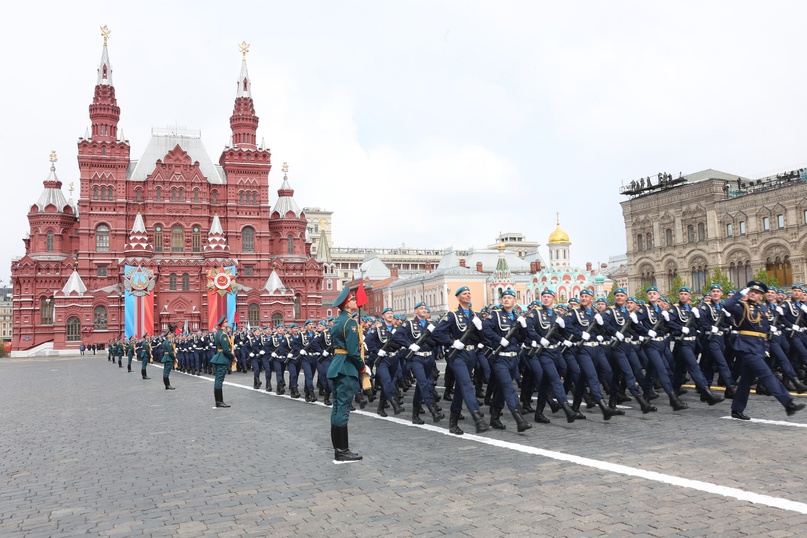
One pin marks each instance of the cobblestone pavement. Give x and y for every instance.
(88, 449)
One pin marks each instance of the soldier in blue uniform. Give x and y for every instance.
(168, 358)
(222, 361)
(346, 366)
(713, 325)
(325, 344)
(380, 345)
(750, 316)
(308, 358)
(461, 331)
(504, 360)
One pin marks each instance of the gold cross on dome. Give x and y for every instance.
(105, 31)
(285, 168)
(53, 158)
(244, 48)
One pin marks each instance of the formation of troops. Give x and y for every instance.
(556, 356)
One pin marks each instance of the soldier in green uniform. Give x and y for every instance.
(144, 355)
(344, 372)
(130, 352)
(222, 360)
(169, 355)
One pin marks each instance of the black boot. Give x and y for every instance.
(729, 393)
(256, 384)
(129, 367)
(612, 403)
(589, 399)
(607, 412)
(416, 416)
(437, 416)
(676, 403)
(621, 397)
(792, 408)
(539, 415)
(650, 395)
(313, 395)
(800, 387)
(167, 384)
(495, 419)
(342, 452)
(220, 398)
(479, 422)
(447, 395)
(396, 407)
(571, 414)
(143, 373)
(281, 390)
(762, 390)
(739, 415)
(453, 427)
(553, 405)
(576, 408)
(711, 398)
(268, 386)
(646, 407)
(327, 400)
(521, 424)
(380, 409)
(295, 393)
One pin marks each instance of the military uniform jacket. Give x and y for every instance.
(617, 319)
(498, 325)
(222, 342)
(408, 333)
(347, 354)
(680, 317)
(581, 320)
(650, 318)
(710, 316)
(378, 337)
(169, 352)
(454, 325)
(540, 321)
(752, 323)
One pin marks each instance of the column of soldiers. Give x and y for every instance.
(556, 356)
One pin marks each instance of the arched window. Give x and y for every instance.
(690, 234)
(95, 193)
(699, 274)
(649, 241)
(701, 232)
(248, 240)
(177, 239)
(254, 197)
(214, 197)
(99, 318)
(277, 319)
(46, 311)
(780, 269)
(254, 315)
(110, 194)
(669, 237)
(49, 242)
(172, 282)
(138, 195)
(158, 194)
(640, 242)
(186, 282)
(102, 238)
(158, 238)
(290, 243)
(196, 240)
(195, 195)
(181, 195)
(73, 329)
(241, 197)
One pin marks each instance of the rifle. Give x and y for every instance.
(423, 337)
(688, 324)
(297, 357)
(550, 333)
(588, 331)
(463, 338)
(625, 327)
(507, 336)
(722, 316)
(656, 326)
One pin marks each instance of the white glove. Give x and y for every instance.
(780, 311)
(480, 346)
(430, 327)
(544, 342)
(414, 347)
(620, 336)
(477, 323)
(585, 336)
(804, 308)
(382, 353)
(696, 313)
(665, 315)
(633, 317)
(651, 333)
(522, 321)
(774, 330)
(684, 330)
(290, 355)
(598, 318)
(275, 355)
(715, 330)
(534, 344)
(325, 353)
(599, 338)
(641, 338)
(251, 354)
(458, 345)
(303, 352)
(263, 352)
(796, 329)
(504, 342)
(567, 343)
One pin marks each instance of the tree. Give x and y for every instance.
(768, 279)
(718, 277)
(641, 293)
(677, 283)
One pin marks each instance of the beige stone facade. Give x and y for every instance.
(716, 219)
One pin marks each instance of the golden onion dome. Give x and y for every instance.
(558, 236)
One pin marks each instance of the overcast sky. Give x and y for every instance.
(428, 123)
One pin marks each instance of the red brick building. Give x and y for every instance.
(175, 213)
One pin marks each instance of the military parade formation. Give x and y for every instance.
(546, 354)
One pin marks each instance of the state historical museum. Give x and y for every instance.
(171, 238)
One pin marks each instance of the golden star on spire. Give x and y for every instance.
(244, 48)
(53, 158)
(105, 31)
(285, 170)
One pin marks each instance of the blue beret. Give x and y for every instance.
(548, 292)
(651, 288)
(292, 325)
(462, 289)
(602, 300)
(421, 303)
(631, 299)
(684, 288)
(309, 321)
(663, 298)
(509, 292)
(796, 287)
(485, 309)
(323, 323)
(344, 295)
(534, 303)
(388, 309)
(716, 287)
(586, 291)
(620, 290)
(331, 318)
(574, 300)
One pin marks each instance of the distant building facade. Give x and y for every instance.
(689, 226)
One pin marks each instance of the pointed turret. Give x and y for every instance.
(324, 247)
(216, 246)
(501, 278)
(138, 244)
(285, 198)
(74, 285)
(244, 122)
(273, 283)
(52, 193)
(104, 110)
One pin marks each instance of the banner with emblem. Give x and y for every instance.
(138, 282)
(221, 293)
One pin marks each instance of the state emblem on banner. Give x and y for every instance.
(139, 281)
(221, 280)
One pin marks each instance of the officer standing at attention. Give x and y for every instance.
(169, 356)
(750, 317)
(222, 361)
(346, 365)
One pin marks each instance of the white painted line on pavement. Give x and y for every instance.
(774, 422)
